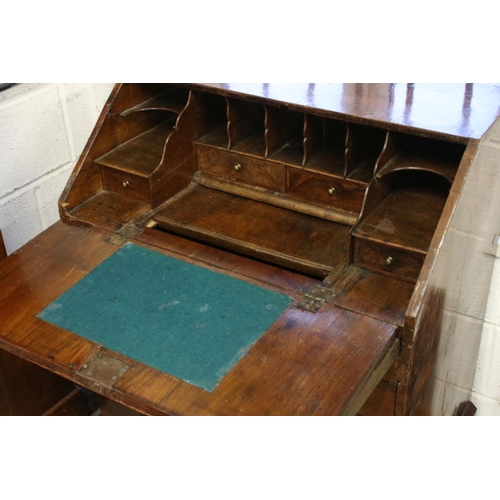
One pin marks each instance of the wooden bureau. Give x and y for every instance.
(371, 205)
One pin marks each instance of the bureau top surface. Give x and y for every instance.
(457, 111)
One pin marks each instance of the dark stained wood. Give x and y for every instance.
(110, 210)
(140, 155)
(27, 389)
(314, 136)
(394, 143)
(382, 401)
(30, 280)
(271, 233)
(417, 108)
(126, 184)
(110, 408)
(292, 153)
(216, 138)
(275, 129)
(73, 405)
(324, 190)
(331, 213)
(210, 118)
(166, 184)
(329, 162)
(241, 168)
(370, 383)
(85, 181)
(134, 95)
(283, 368)
(172, 100)
(426, 155)
(289, 371)
(363, 146)
(218, 259)
(178, 163)
(403, 144)
(381, 297)
(407, 218)
(428, 335)
(3, 251)
(387, 259)
(246, 127)
(468, 409)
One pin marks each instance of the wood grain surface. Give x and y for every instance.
(306, 363)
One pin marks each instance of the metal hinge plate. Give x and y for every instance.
(316, 297)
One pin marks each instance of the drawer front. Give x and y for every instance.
(129, 185)
(388, 260)
(241, 168)
(324, 190)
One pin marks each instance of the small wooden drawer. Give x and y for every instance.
(324, 190)
(241, 168)
(126, 184)
(388, 260)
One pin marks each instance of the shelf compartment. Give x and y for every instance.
(211, 119)
(284, 135)
(141, 155)
(173, 100)
(325, 190)
(294, 240)
(110, 210)
(324, 145)
(407, 217)
(241, 168)
(364, 145)
(216, 138)
(401, 227)
(438, 157)
(246, 127)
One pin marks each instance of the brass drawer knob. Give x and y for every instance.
(331, 191)
(389, 261)
(237, 167)
(125, 184)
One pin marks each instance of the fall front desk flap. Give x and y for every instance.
(184, 320)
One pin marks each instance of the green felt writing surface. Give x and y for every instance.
(182, 319)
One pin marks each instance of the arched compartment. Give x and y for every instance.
(398, 220)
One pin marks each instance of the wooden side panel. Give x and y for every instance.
(27, 389)
(444, 319)
(85, 180)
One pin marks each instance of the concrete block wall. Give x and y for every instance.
(44, 128)
(486, 389)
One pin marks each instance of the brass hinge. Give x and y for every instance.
(316, 297)
(124, 234)
(101, 372)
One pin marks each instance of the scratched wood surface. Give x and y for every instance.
(296, 139)
(305, 364)
(274, 234)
